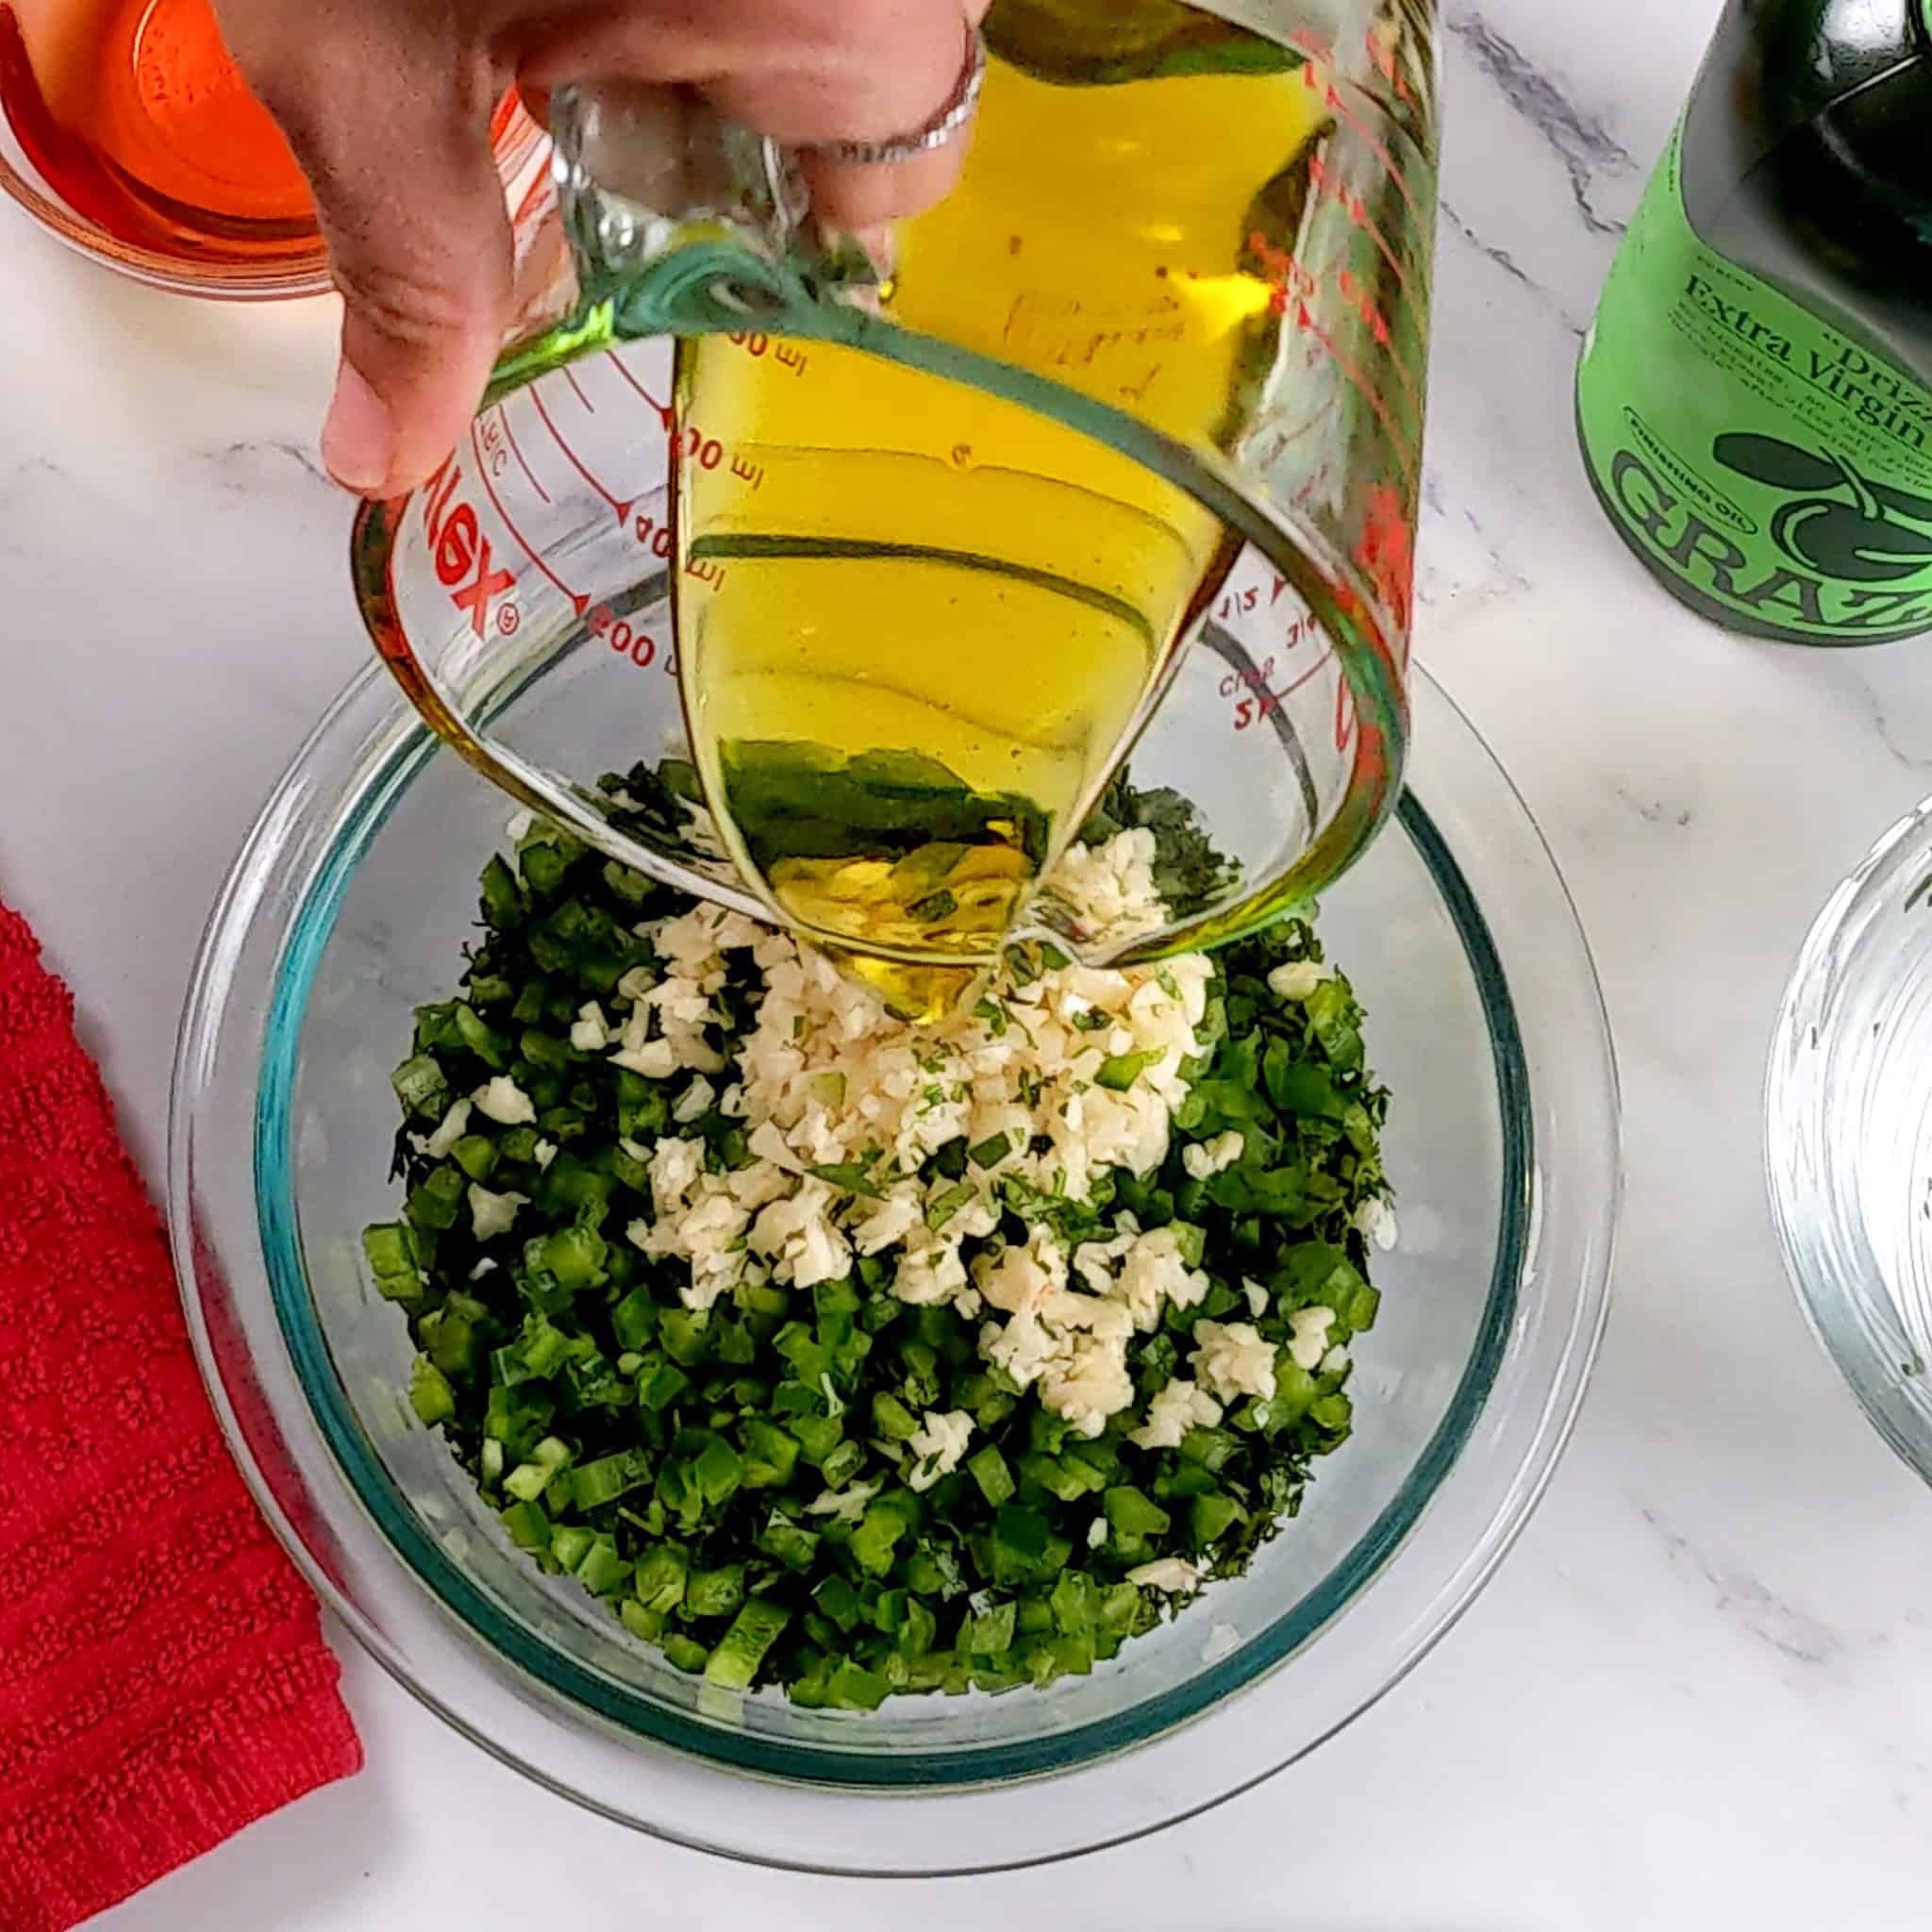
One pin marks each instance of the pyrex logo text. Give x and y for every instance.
(459, 548)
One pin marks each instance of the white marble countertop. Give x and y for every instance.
(1700, 1692)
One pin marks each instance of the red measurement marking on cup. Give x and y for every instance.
(666, 415)
(578, 601)
(649, 531)
(659, 539)
(1385, 554)
(1380, 45)
(640, 646)
(1367, 311)
(460, 552)
(1252, 678)
(577, 390)
(1405, 452)
(1293, 280)
(1255, 699)
(491, 451)
(1257, 705)
(755, 342)
(1345, 717)
(1285, 274)
(516, 450)
(1293, 287)
(621, 506)
(1378, 42)
(1322, 60)
(1255, 601)
(707, 452)
(1244, 602)
(1345, 720)
(1327, 182)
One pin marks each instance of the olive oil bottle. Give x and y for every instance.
(1754, 398)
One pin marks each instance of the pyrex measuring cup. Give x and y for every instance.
(1192, 243)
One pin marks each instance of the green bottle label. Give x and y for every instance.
(1779, 472)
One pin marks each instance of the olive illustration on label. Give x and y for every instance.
(1843, 525)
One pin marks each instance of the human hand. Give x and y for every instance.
(386, 105)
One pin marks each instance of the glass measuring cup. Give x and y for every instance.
(1190, 253)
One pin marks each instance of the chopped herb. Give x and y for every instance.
(832, 1491)
(855, 1176)
(1119, 1070)
(941, 1206)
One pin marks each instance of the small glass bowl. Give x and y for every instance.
(522, 150)
(350, 904)
(1848, 1133)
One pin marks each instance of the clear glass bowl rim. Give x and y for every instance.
(1528, 1212)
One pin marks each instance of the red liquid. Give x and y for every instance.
(136, 116)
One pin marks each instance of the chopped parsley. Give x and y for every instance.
(831, 1491)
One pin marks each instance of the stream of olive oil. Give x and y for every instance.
(917, 623)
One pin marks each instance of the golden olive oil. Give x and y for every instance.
(917, 623)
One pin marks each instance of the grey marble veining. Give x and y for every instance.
(1700, 1692)
(1579, 139)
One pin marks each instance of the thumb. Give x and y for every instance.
(397, 152)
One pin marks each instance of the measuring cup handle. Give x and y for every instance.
(656, 217)
(662, 218)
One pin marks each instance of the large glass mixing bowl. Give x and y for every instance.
(350, 904)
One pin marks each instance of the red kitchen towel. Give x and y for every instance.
(163, 1681)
